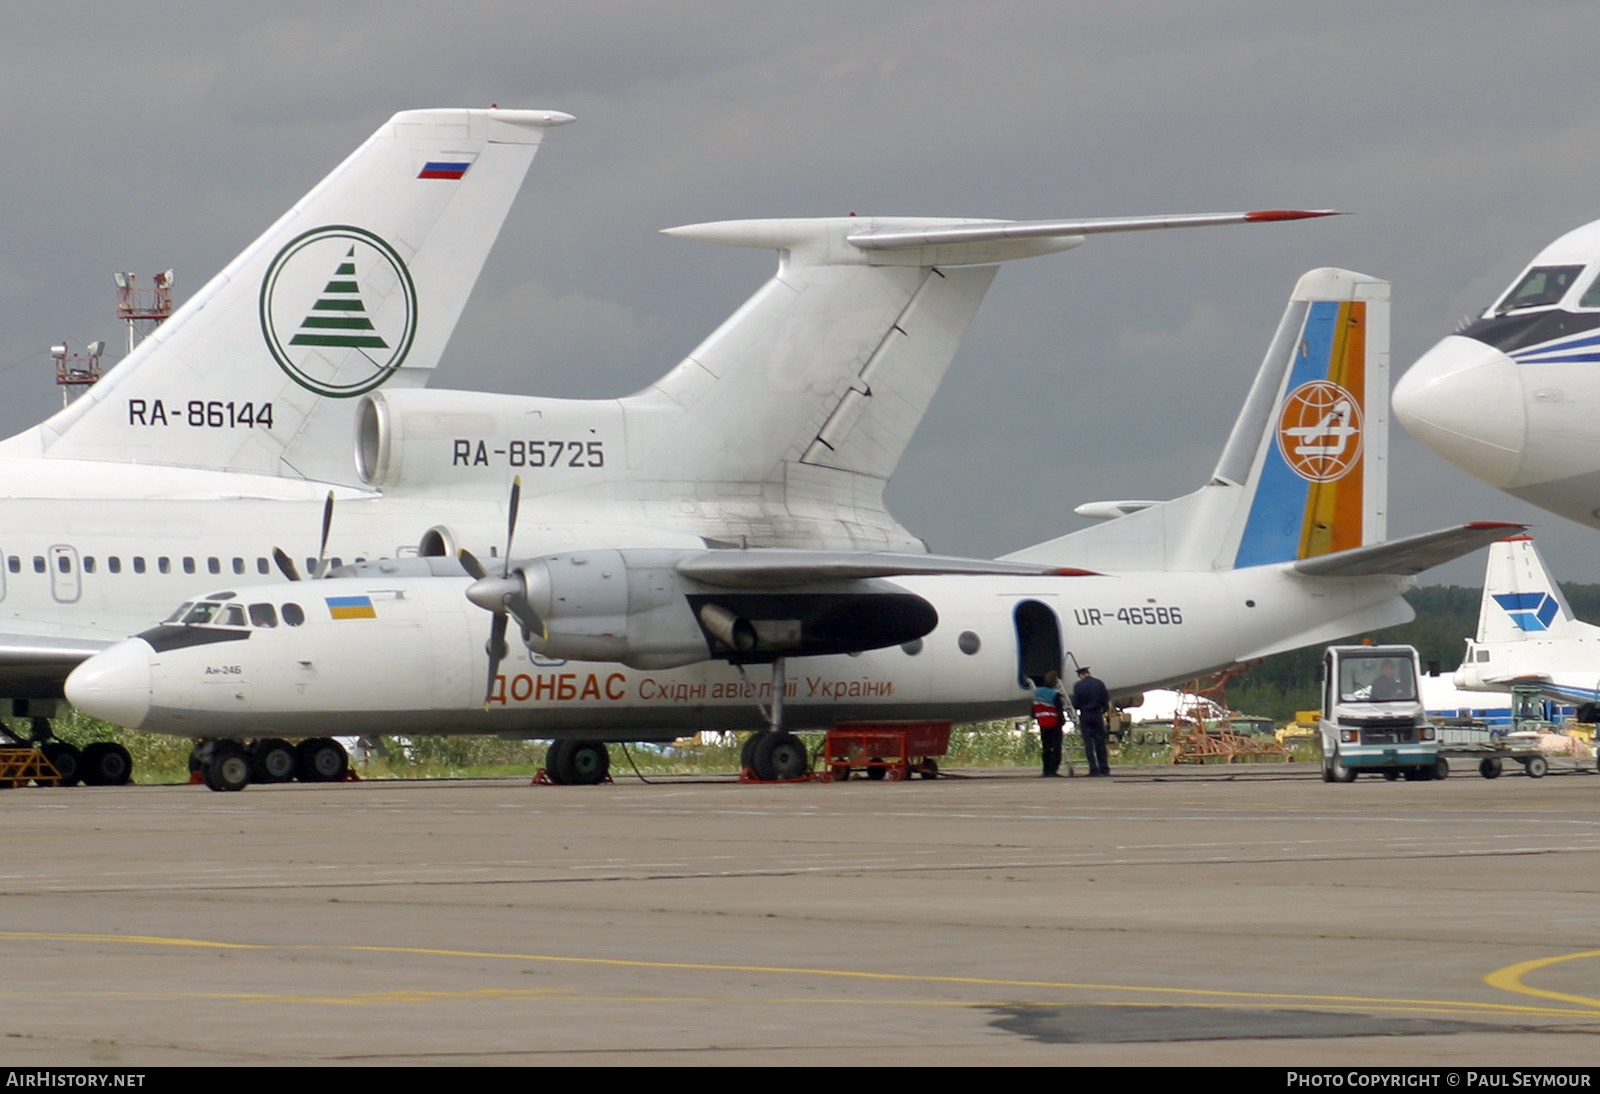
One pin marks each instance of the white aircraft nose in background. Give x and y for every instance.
(116, 687)
(1464, 400)
(1513, 398)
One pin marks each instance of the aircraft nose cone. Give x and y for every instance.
(1463, 399)
(114, 684)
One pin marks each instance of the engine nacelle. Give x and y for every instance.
(634, 607)
(424, 436)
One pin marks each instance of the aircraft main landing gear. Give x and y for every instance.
(228, 765)
(774, 754)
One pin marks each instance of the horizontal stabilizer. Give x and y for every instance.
(993, 230)
(1111, 510)
(774, 568)
(1408, 556)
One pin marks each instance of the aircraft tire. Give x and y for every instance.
(747, 752)
(67, 761)
(229, 767)
(1536, 767)
(274, 760)
(778, 756)
(557, 762)
(1490, 768)
(588, 763)
(322, 760)
(106, 763)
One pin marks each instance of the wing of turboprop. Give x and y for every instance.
(1407, 556)
(770, 568)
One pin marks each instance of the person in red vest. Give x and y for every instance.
(1048, 711)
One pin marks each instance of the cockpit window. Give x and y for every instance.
(231, 616)
(179, 613)
(263, 615)
(199, 613)
(1591, 295)
(1541, 285)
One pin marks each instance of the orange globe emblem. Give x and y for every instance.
(1319, 431)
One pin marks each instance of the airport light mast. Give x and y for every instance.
(142, 309)
(74, 370)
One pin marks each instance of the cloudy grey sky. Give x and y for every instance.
(1461, 138)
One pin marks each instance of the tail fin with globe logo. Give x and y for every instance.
(1304, 471)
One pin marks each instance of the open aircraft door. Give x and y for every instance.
(1038, 642)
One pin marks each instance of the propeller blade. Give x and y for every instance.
(511, 520)
(517, 605)
(496, 649)
(286, 564)
(470, 563)
(327, 526)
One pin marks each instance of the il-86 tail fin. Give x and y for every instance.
(1304, 471)
(358, 285)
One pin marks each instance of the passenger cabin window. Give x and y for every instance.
(213, 565)
(238, 565)
(88, 564)
(262, 567)
(38, 564)
(188, 565)
(64, 563)
(293, 615)
(114, 564)
(1542, 285)
(164, 564)
(263, 615)
(138, 564)
(14, 564)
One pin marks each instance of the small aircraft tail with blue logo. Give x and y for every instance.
(1304, 471)
(1527, 632)
(360, 284)
(1303, 479)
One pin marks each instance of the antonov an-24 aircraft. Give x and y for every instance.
(1282, 547)
(298, 370)
(1513, 396)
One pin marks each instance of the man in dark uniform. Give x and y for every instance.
(1091, 700)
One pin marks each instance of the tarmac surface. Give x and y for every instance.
(1247, 915)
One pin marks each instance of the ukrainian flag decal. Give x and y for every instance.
(351, 607)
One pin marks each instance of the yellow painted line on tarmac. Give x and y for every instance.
(359, 999)
(1505, 978)
(1510, 978)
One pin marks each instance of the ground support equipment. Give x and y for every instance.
(893, 750)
